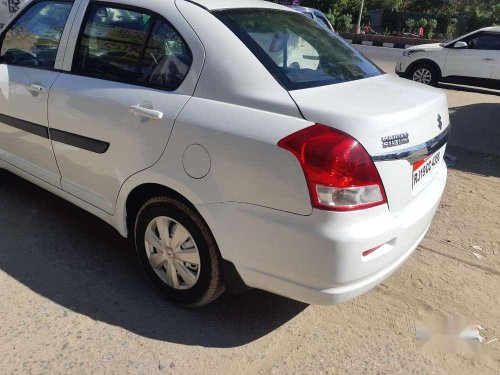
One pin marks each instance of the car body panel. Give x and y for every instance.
(390, 106)
(332, 243)
(252, 194)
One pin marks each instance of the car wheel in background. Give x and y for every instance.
(424, 73)
(178, 252)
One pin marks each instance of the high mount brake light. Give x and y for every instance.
(340, 174)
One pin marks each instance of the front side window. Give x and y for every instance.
(33, 40)
(131, 46)
(296, 50)
(490, 42)
(483, 41)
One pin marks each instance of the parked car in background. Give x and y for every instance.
(316, 15)
(471, 59)
(233, 142)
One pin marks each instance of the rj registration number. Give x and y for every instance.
(424, 168)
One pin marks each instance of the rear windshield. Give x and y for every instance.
(296, 50)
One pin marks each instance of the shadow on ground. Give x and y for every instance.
(82, 264)
(473, 162)
(476, 127)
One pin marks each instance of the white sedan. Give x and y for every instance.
(471, 59)
(235, 143)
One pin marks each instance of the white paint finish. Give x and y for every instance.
(381, 106)
(255, 198)
(332, 241)
(461, 62)
(196, 161)
(470, 63)
(18, 147)
(495, 74)
(231, 4)
(237, 78)
(246, 164)
(99, 109)
(70, 44)
(65, 36)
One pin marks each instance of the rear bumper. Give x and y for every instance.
(318, 258)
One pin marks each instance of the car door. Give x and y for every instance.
(495, 73)
(112, 111)
(28, 62)
(475, 61)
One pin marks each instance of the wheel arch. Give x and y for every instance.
(139, 188)
(425, 62)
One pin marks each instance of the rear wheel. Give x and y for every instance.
(424, 73)
(178, 252)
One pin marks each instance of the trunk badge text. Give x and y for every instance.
(395, 140)
(440, 123)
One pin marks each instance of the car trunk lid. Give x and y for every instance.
(403, 125)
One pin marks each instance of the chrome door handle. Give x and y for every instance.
(145, 112)
(36, 88)
(488, 59)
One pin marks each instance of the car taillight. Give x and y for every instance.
(340, 174)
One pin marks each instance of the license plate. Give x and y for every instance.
(424, 169)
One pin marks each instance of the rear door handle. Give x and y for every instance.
(37, 89)
(488, 59)
(145, 112)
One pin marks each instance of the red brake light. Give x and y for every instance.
(340, 174)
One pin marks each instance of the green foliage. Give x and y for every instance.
(430, 27)
(411, 24)
(422, 22)
(441, 13)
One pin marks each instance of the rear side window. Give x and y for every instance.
(131, 46)
(166, 59)
(296, 50)
(33, 40)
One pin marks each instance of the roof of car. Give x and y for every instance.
(301, 9)
(233, 4)
(495, 29)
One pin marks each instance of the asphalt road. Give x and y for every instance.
(73, 300)
(474, 112)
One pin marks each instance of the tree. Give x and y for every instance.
(411, 24)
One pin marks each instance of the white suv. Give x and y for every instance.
(234, 142)
(471, 59)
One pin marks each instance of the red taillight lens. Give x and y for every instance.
(340, 173)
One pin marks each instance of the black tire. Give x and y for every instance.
(209, 284)
(422, 67)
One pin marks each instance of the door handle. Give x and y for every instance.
(145, 112)
(35, 88)
(488, 59)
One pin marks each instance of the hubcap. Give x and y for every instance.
(422, 75)
(172, 253)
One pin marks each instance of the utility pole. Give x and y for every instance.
(358, 27)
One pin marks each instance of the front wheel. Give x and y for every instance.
(424, 73)
(178, 252)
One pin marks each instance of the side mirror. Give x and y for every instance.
(460, 45)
